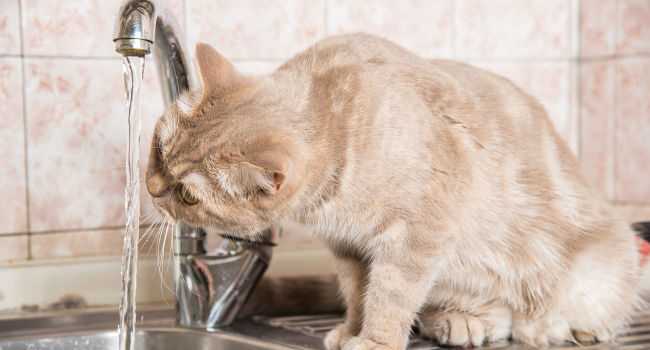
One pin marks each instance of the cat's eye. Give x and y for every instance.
(187, 197)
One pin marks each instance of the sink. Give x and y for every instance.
(160, 339)
(96, 330)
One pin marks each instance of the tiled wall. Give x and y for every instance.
(62, 119)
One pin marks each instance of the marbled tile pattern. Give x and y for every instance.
(597, 27)
(9, 27)
(633, 130)
(79, 28)
(423, 26)
(77, 243)
(76, 141)
(76, 118)
(597, 88)
(509, 29)
(13, 248)
(13, 216)
(633, 27)
(253, 29)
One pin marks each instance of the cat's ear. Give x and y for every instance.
(217, 73)
(251, 177)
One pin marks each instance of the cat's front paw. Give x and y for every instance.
(592, 337)
(336, 336)
(359, 343)
(455, 329)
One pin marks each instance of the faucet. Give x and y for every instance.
(211, 287)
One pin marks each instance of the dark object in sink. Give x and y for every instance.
(642, 229)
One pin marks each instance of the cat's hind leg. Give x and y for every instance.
(456, 328)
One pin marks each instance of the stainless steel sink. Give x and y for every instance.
(162, 339)
(96, 330)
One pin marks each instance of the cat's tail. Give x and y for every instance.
(303, 295)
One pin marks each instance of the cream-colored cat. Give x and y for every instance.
(442, 189)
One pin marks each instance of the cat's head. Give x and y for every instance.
(217, 160)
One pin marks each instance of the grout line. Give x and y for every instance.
(25, 133)
(612, 151)
(454, 27)
(185, 19)
(325, 18)
(576, 69)
(14, 234)
(94, 229)
(616, 57)
(560, 59)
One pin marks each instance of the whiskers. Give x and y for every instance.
(156, 236)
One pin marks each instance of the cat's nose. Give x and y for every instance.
(156, 185)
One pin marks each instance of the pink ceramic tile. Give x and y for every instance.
(252, 29)
(74, 28)
(425, 27)
(505, 28)
(13, 217)
(99, 242)
(76, 140)
(546, 81)
(13, 248)
(78, 243)
(573, 138)
(633, 27)
(69, 28)
(9, 28)
(597, 114)
(597, 27)
(633, 130)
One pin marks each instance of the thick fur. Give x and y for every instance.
(442, 189)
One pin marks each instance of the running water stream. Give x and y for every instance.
(133, 74)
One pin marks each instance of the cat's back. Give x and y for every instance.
(380, 66)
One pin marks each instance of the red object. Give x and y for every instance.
(644, 250)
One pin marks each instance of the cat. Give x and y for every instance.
(443, 191)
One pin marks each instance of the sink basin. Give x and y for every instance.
(96, 330)
(160, 339)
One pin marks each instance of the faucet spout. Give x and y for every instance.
(142, 24)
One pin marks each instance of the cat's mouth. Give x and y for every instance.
(268, 237)
(246, 240)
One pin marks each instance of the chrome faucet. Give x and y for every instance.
(211, 287)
